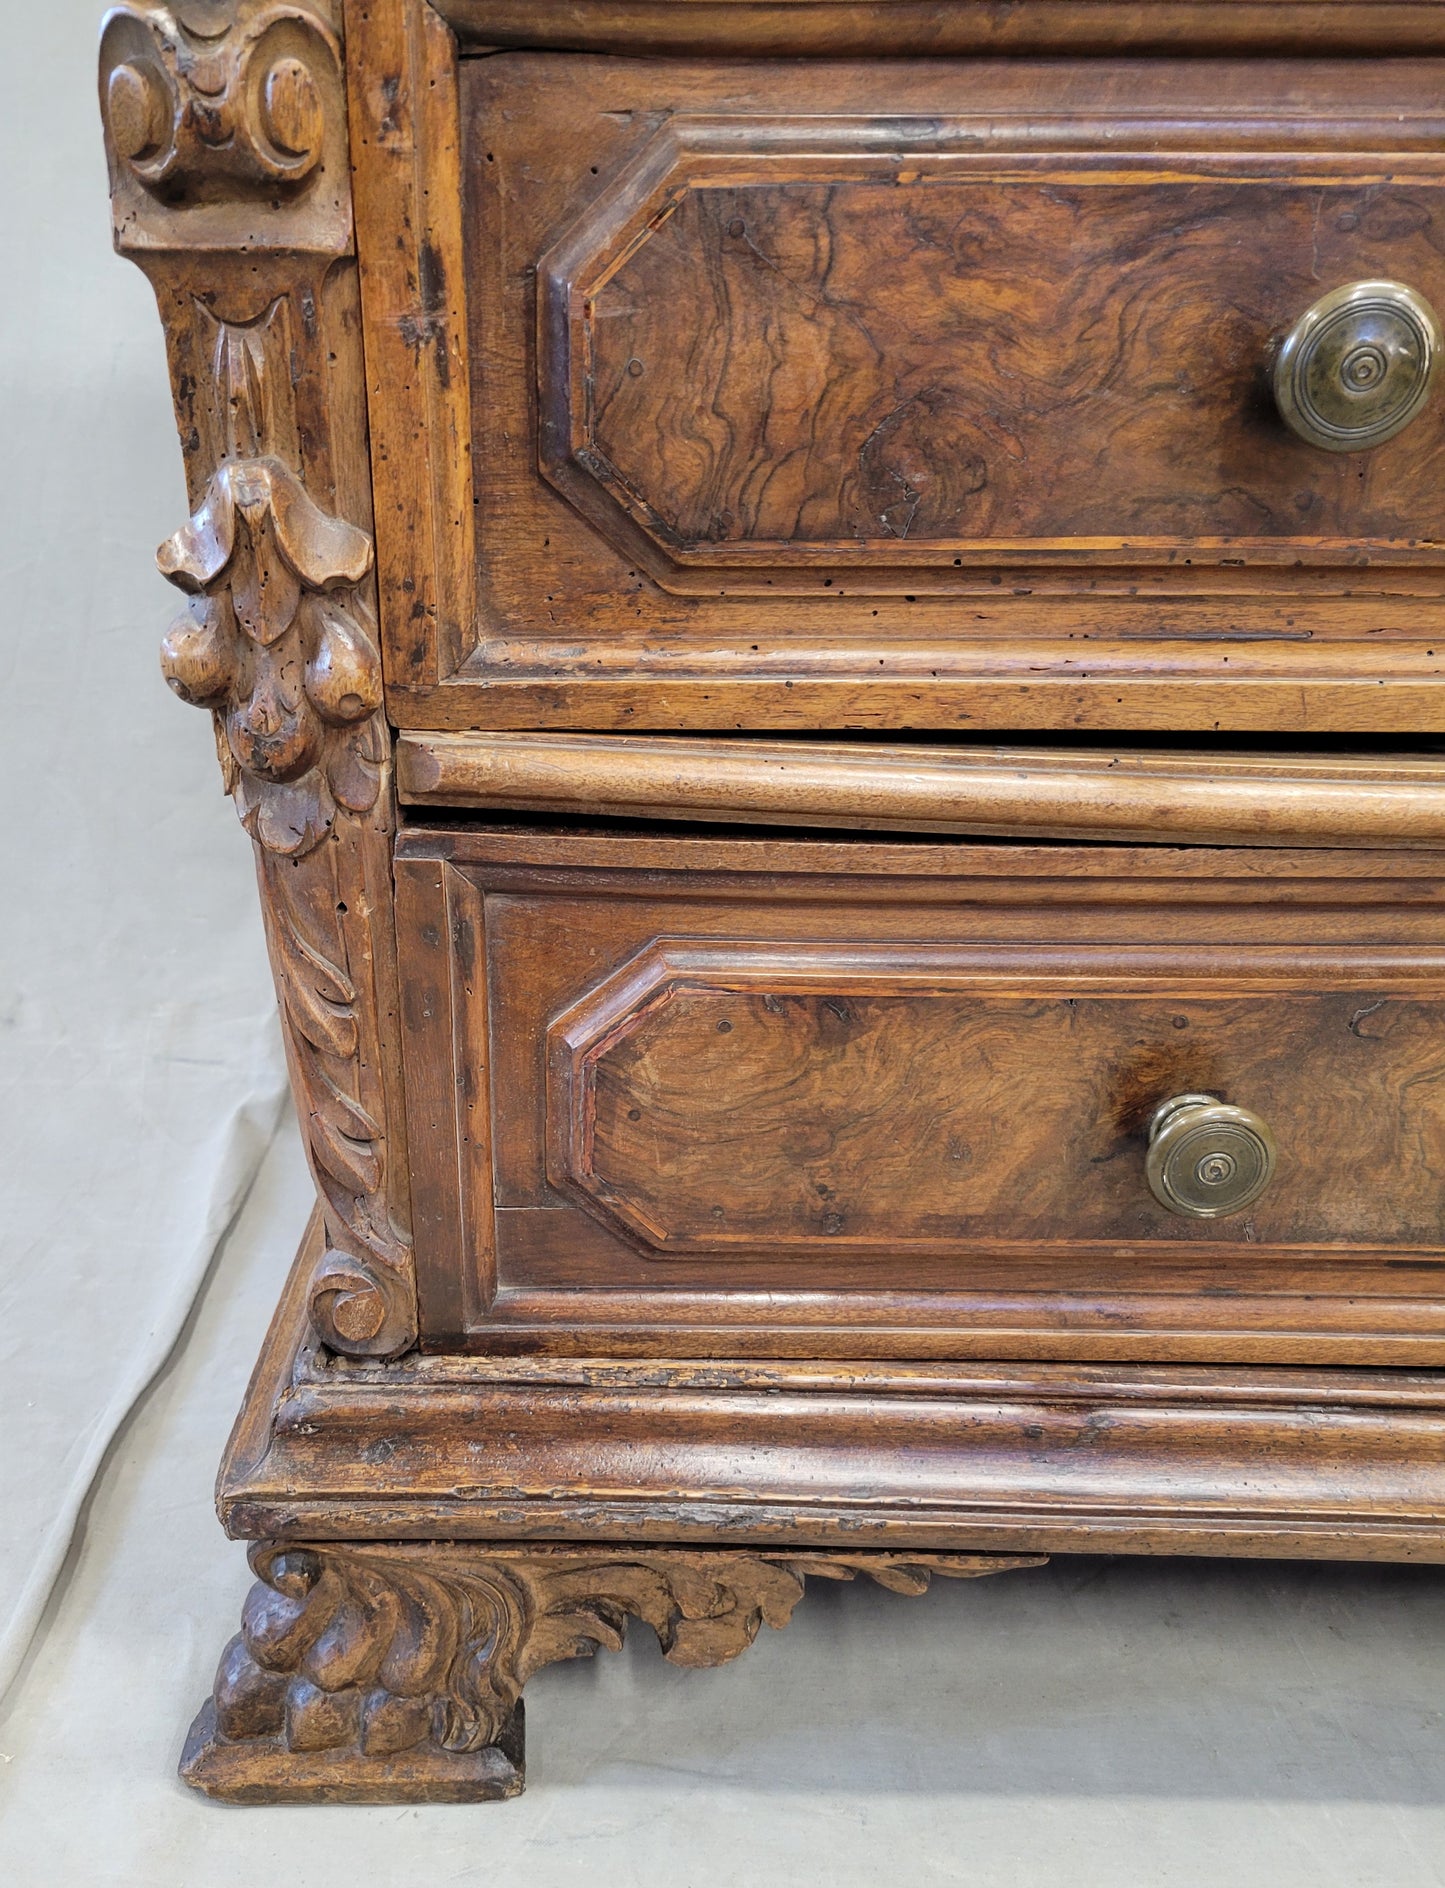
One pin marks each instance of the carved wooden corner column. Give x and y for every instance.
(395, 1673)
(227, 141)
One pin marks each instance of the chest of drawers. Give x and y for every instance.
(828, 624)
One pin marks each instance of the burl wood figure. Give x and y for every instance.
(827, 618)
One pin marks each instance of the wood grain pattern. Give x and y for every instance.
(824, 348)
(805, 1101)
(921, 1131)
(395, 1674)
(898, 28)
(1129, 794)
(226, 137)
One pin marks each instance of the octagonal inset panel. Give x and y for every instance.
(903, 342)
(741, 1096)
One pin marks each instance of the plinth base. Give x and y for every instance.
(427, 1534)
(268, 1771)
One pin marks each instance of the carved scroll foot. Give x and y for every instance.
(393, 1674)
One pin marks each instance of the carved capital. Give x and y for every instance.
(215, 109)
(393, 1673)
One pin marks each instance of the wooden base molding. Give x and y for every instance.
(428, 1533)
(780, 1456)
(394, 1673)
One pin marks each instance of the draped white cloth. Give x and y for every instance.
(140, 1069)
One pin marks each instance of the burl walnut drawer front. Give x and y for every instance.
(926, 392)
(729, 1096)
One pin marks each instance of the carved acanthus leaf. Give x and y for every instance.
(380, 1650)
(278, 640)
(362, 1297)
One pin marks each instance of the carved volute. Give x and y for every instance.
(217, 109)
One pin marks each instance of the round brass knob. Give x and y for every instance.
(1357, 366)
(1207, 1159)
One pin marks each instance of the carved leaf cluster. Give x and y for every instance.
(280, 652)
(382, 1650)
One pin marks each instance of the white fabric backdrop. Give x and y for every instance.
(140, 1069)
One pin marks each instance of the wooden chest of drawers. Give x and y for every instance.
(682, 495)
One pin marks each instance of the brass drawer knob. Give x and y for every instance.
(1357, 366)
(1207, 1159)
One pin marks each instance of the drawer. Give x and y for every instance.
(746, 1095)
(946, 400)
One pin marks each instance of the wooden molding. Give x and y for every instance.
(1125, 795)
(962, 1457)
(911, 28)
(226, 134)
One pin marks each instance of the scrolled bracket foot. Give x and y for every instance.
(393, 1673)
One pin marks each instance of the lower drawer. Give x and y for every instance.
(730, 1096)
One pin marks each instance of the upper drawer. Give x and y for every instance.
(926, 392)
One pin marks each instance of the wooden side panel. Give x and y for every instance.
(448, 1101)
(405, 141)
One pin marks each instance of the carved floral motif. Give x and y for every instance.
(278, 642)
(368, 1653)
